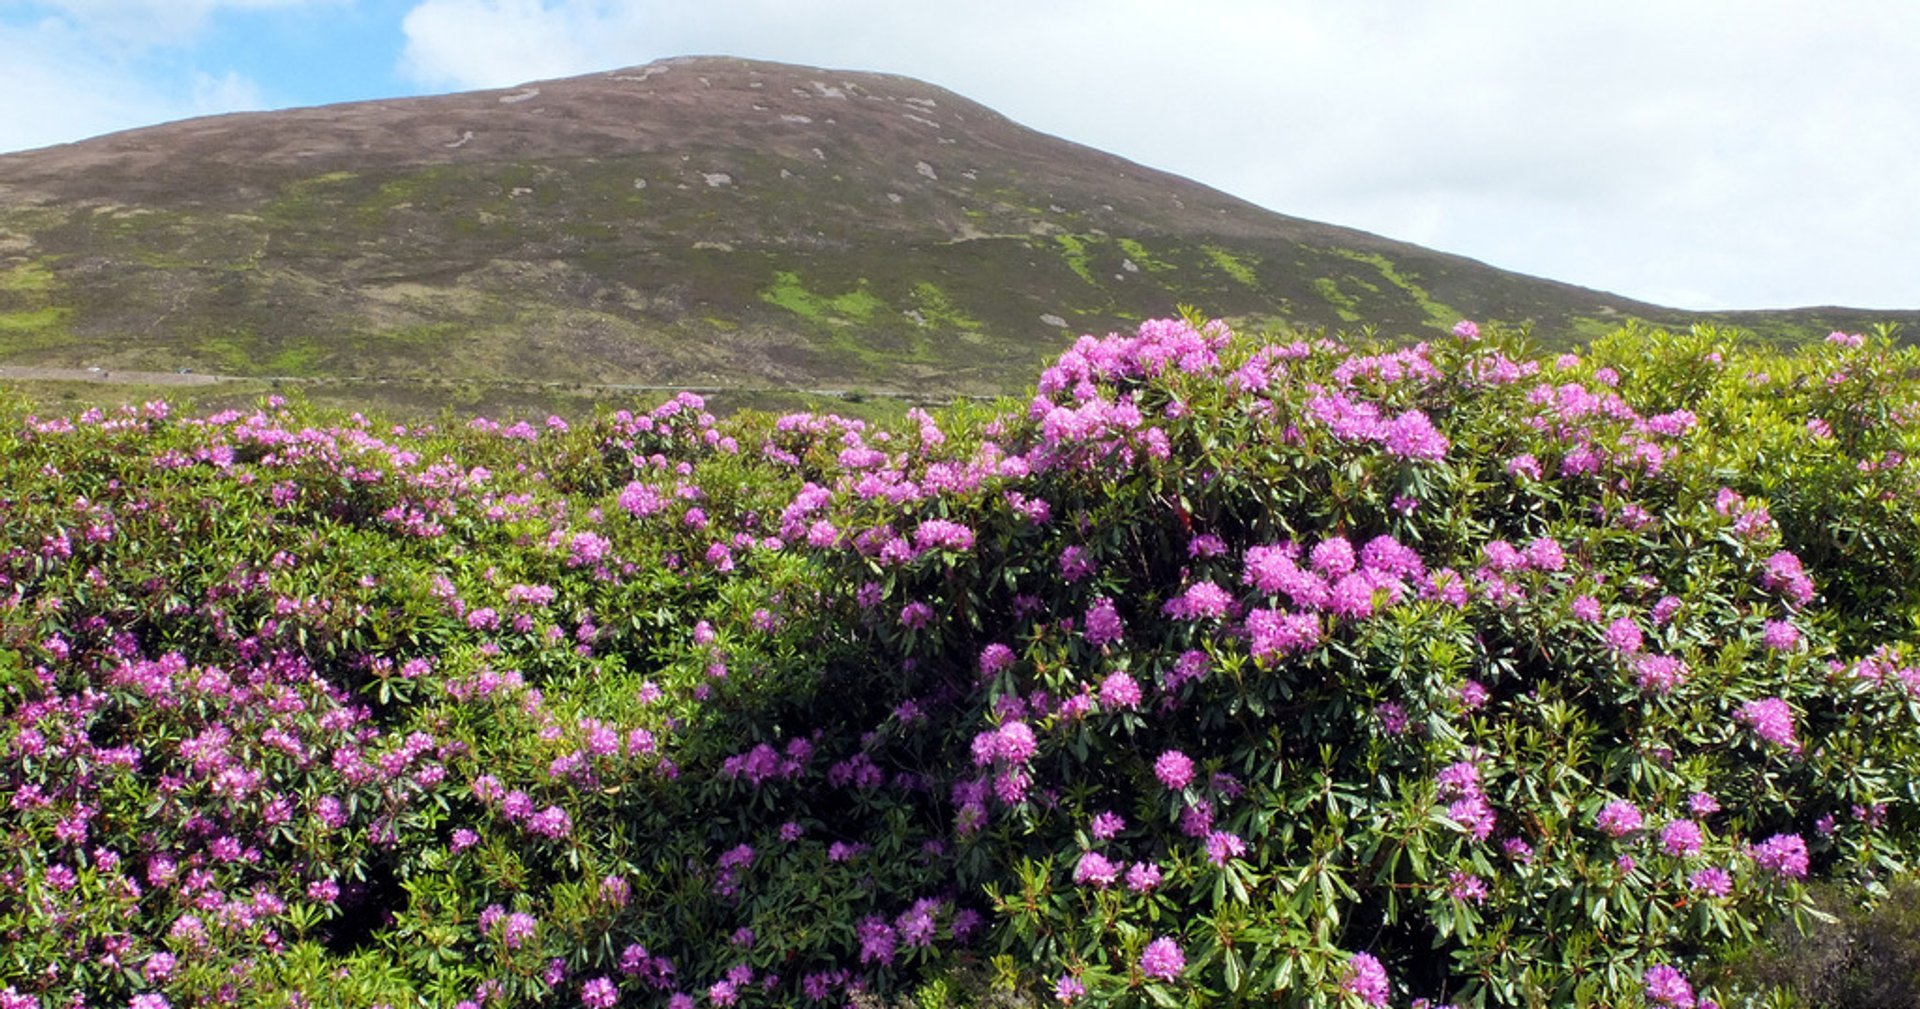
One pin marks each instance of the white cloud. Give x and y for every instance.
(228, 92)
(489, 43)
(59, 89)
(148, 24)
(79, 68)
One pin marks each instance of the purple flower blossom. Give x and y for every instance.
(1276, 633)
(1095, 870)
(1174, 769)
(1466, 887)
(1075, 564)
(1143, 877)
(1623, 636)
(1659, 673)
(1222, 845)
(599, 993)
(1162, 960)
(1103, 624)
(1681, 838)
(1474, 815)
(1366, 977)
(877, 941)
(994, 658)
(1784, 855)
(1333, 557)
(520, 927)
(1201, 600)
(1068, 989)
(1619, 818)
(1668, 988)
(1412, 436)
(1107, 825)
(1715, 882)
(1472, 694)
(1771, 719)
(1120, 691)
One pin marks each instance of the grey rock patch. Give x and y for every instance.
(1054, 321)
(925, 169)
(518, 97)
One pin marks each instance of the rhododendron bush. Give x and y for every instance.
(1224, 668)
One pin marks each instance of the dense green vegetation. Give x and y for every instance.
(1266, 668)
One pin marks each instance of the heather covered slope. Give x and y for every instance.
(1221, 668)
(703, 222)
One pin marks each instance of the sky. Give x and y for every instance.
(1701, 154)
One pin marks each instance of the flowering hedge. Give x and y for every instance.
(1223, 668)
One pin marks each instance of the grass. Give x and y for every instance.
(1438, 315)
(1345, 305)
(1143, 258)
(1073, 249)
(939, 310)
(36, 320)
(27, 278)
(1231, 265)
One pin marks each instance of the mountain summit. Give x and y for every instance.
(698, 221)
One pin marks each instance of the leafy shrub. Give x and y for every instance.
(1224, 669)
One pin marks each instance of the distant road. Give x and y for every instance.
(111, 376)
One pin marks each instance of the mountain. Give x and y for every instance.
(698, 222)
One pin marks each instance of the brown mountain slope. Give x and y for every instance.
(696, 221)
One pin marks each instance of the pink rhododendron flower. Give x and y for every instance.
(1619, 818)
(1143, 876)
(1466, 887)
(1366, 977)
(1681, 838)
(1784, 855)
(1771, 719)
(1120, 691)
(1711, 881)
(1103, 623)
(1668, 988)
(1095, 870)
(1222, 846)
(1162, 960)
(1174, 769)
